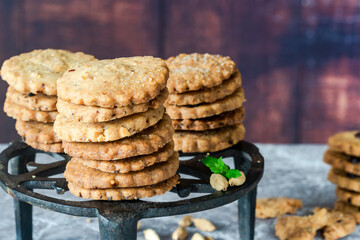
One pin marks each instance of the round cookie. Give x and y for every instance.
(206, 95)
(38, 102)
(217, 121)
(74, 131)
(84, 113)
(86, 177)
(229, 103)
(346, 142)
(129, 164)
(116, 194)
(210, 140)
(37, 71)
(25, 114)
(348, 196)
(146, 142)
(344, 180)
(343, 162)
(348, 208)
(190, 72)
(51, 147)
(36, 132)
(115, 82)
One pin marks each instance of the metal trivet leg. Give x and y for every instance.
(23, 211)
(121, 226)
(246, 210)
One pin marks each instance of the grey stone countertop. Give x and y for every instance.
(290, 170)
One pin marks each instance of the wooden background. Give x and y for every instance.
(299, 59)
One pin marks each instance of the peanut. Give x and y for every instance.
(179, 234)
(204, 224)
(238, 181)
(185, 221)
(150, 234)
(218, 182)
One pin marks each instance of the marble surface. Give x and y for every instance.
(290, 170)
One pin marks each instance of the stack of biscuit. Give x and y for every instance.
(344, 157)
(205, 102)
(31, 97)
(112, 123)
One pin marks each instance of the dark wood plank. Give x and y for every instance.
(257, 35)
(10, 15)
(107, 29)
(331, 85)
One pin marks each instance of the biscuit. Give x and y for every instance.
(206, 95)
(146, 142)
(116, 194)
(275, 207)
(190, 72)
(25, 114)
(129, 164)
(334, 224)
(84, 113)
(115, 82)
(210, 140)
(346, 142)
(74, 131)
(38, 102)
(297, 227)
(344, 180)
(51, 147)
(348, 196)
(343, 162)
(217, 121)
(86, 177)
(36, 132)
(348, 208)
(37, 71)
(229, 103)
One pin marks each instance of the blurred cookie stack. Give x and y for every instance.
(205, 102)
(31, 97)
(112, 123)
(344, 157)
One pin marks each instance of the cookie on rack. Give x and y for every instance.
(114, 82)
(208, 140)
(113, 123)
(145, 142)
(31, 97)
(190, 72)
(131, 193)
(205, 102)
(37, 71)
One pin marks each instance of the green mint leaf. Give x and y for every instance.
(233, 173)
(216, 165)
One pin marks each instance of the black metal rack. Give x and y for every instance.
(118, 220)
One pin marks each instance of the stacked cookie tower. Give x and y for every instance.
(344, 157)
(205, 102)
(112, 122)
(31, 97)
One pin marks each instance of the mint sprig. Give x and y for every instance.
(218, 166)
